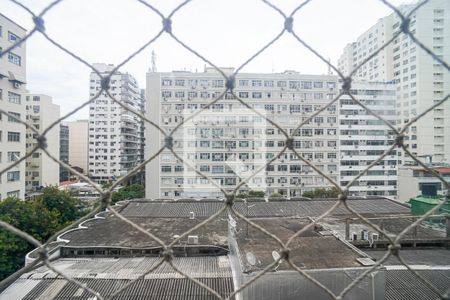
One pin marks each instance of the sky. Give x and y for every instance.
(226, 32)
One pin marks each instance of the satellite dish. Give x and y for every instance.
(276, 256)
(251, 258)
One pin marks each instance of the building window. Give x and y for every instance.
(166, 82)
(13, 156)
(11, 119)
(13, 194)
(13, 136)
(13, 176)
(12, 37)
(14, 58)
(13, 98)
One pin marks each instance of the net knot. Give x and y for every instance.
(347, 84)
(168, 140)
(41, 141)
(343, 195)
(404, 27)
(167, 25)
(167, 254)
(399, 139)
(39, 23)
(288, 24)
(395, 249)
(229, 200)
(230, 83)
(290, 143)
(105, 83)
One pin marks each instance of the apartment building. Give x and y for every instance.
(114, 133)
(421, 81)
(41, 170)
(379, 68)
(79, 145)
(64, 173)
(228, 142)
(364, 138)
(12, 89)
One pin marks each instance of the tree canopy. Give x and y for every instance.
(40, 218)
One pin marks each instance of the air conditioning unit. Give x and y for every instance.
(16, 85)
(192, 239)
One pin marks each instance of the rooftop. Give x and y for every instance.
(107, 275)
(313, 249)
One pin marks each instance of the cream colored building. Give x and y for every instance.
(41, 170)
(228, 142)
(12, 100)
(78, 144)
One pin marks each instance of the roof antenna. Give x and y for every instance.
(153, 61)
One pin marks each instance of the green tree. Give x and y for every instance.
(322, 193)
(133, 191)
(40, 218)
(61, 203)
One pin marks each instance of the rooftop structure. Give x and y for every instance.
(105, 252)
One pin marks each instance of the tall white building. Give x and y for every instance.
(12, 100)
(364, 138)
(114, 133)
(41, 170)
(228, 142)
(421, 81)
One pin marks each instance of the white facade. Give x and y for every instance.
(228, 142)
(421, 81)
(114, 133)
(364, 138)
(378, 68)
(41, 170)
(411, 180)
(12, 100)
(79, 144)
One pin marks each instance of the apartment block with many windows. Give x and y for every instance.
(114, 133)
(12, 100)
(41, 170)
(228, 142)
(420, 80)
(364, 138)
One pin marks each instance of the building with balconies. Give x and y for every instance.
(421, 81)
(228, 142)
(364, 139)
(12, 101)
(115, 140)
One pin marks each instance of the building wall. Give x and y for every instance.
(420, 80)
(78, 144)
(364, 138)
(12, 99)
(228, 142)
(41, 170)
(114, 133)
